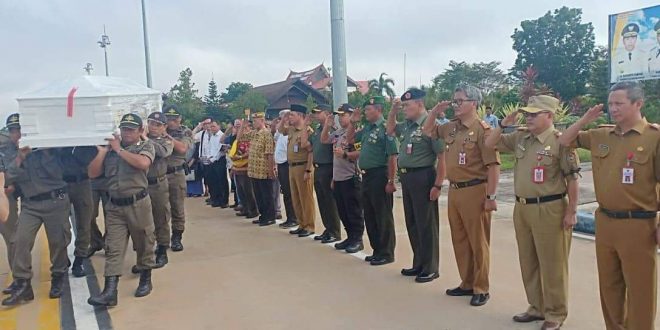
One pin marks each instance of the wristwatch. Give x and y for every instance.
(491, 197)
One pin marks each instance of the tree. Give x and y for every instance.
(485, 76)
(560, 47)
(212, 101)
(599, 77)
(184, 95)
(252, 100)
(234, 91)
(382, 86)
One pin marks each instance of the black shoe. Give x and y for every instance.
(266, 223)
(56, 286)
(77, 268)
(305, 233)
(288, 224)
(241, 214)
(381, 261)
(108, 297)
(256, 221)
(22, 293)
(330, 239)
(135, 269)
(145, 286)
(321, 237)
(233, 205)
(278, 216)
(354, 247)
(424, 278)
(215, 205)
(208, 201)
(252, 216)
(479, 299)
(176, 241)
(410, 271)
(369, 258)
(10, 288)
(161, 256)
(224, 206)
(93, 250)
(295, 231)
(343, 244)
(458, 292)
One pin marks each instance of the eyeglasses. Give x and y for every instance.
(458, 103)
(532, 115)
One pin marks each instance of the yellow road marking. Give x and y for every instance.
(49, 309)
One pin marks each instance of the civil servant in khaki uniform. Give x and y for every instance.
(9, 138)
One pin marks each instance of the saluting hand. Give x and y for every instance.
(396, 105)
(490, 205)
(329, 120)
(511, 119)
(441, 107)
(592, 114)
(355, 117)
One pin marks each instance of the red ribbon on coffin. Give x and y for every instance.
(69, 102)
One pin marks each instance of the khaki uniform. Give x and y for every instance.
(43, 201)
(176, 178)
(128, 211)
(543, 244)
(469, 223)
(159, 189)
(302, 191)
(626, 246)
(99, 195)
(8, 152)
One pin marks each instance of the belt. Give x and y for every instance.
(283, 164)
(404, 170)
(53, 194)
(317, 165)
(629, 214)
(369, 170)
(155, 180)
(173, 169)
(539, 200)
(297, 164)
(75, 178)
(126, 201)
(473, 182)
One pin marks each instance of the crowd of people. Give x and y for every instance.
(351, 162)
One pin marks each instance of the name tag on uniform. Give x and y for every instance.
(538, 175)
(461, 158)
(409, 148)
(628, 175)
(295, 147)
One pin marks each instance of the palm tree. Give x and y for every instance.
(382, 86)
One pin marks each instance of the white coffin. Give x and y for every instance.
(98, 104)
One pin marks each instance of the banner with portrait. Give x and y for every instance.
(634, 44)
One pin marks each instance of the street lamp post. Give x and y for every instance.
(147, 56)
(88, 68)
(104, 43)
(339, 79)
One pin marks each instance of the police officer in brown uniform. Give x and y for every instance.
(125, 163)
(181, 138)
(9, 138)
(421, 183)
(38, 176)
(626, 170)
(544, 173)
(473, 172)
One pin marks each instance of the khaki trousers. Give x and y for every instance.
(160, 209)
(302, 195)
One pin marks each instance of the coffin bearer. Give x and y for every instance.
(473, 171)
(181, 138)
(9, 138)
(544, 173)
(74, 167)
(38, 176)
(422, 169)
(626, 169)
(125, 162)
(345, 179)
(377, 160)
(323, 159)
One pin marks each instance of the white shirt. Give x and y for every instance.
(214, 147)
(280, 148)
(203, 138)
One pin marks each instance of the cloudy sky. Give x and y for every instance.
(258, 41)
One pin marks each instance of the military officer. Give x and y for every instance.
(9, 138)
(295, 125)
(181, 138)
(345, 179)
(473, 171)
(377, 162)
(422, 168)
(626, 171)
(323, 159)
(74, 168)
(125, 162)
(654, 53)
(544, 173)
(630, 62)
(38, 176)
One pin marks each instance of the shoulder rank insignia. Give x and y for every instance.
(358, 146)
(484, 124)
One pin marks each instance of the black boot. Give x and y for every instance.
(135, 270)
(10, 288)
(161, 256)
(56, 286)
(144, 288)
(176, 240)
(22, 293)
(109, 295)
(77, 268)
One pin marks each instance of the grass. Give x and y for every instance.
(508, 159)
